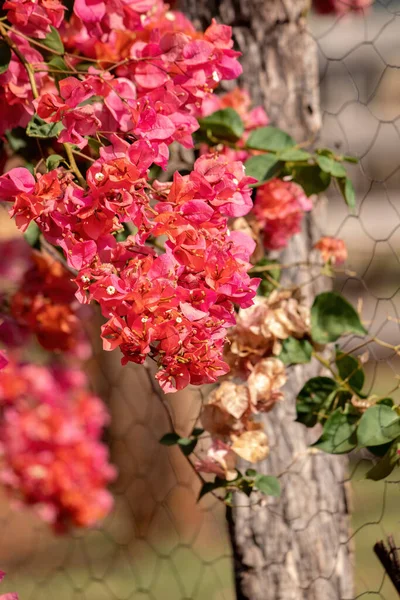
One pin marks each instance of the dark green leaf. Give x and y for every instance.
(197, 431)
(295, 351)
(170, 439)
(332, 316)
(315, 399)
(350, 159)
(311, 179)
(53, 161)
(385, 466)
(251, 473)
(223, 124)
(5, 56)
(350, 370)
(40, 129)
(331, 166)
(348, 193)
(339, 435)
(262, 167)
(53, 40)
(32, 234)
(378, 425)
(57, 63)
(379, 451)
(269, 138)
(187, 445)
(267, 484)
(294, 155)
(207, 487)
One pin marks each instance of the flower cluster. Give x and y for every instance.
(175, 306)
(341, 7)
(261, 329)
(333, 250)
(52, 456)
(239, 99)
(228, 417)
(41, 302)
(279, 209)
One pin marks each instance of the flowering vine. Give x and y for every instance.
(102, 93)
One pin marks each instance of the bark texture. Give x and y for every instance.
(295, 547)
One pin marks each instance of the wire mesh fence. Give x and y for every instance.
(159, 543)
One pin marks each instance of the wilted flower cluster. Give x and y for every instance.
(279, 209)
(228, 417)
(261, 329)
(50, 440)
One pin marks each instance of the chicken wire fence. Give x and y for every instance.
(158, 543)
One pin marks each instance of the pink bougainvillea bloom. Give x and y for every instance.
(279, 208)
(332, 250)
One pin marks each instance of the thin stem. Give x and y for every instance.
(21, 57)
(73, 165)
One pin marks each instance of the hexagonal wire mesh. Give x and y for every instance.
(158, 543)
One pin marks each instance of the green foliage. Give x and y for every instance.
(311, 178)
(295, 351)
(53, 161)
(269, 138)
(294, 155)
(329, 165)
(332, 316)
(350, 370)
(222, 125)
(53, 41)
(40, 129)
(268, 485)
(263, 167)
(384, 467)
(32, 234)
(269, 278)
(5, 56)
(315, 399)
(14, 140)
(339, 434)
(348, 193)
(170, 439)
(57, 63)
(379, 425)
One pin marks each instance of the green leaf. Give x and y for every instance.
(57, 63)
(170, 439)
(210, 486)
(350, 369)
(53, 161)
(224, 124)
(40, 129)
(330, 166)
(262, 167)
(385, 466)
(5, 56)
(32, 234)
(267, 484)
(378, 425)
(348, 193)
(350, 159)
(339, 434)
(268, 277)
(295, 352)
(311, 178)
(53, 40)
(314, 400)
(332, 316)
(251, 473)
(197, 431)
(269, 138)
(187, 445)
(294, 155)
(16, 143)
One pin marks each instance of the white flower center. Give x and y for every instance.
(110, 290)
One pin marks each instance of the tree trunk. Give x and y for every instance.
(294, 547)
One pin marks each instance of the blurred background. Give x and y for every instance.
(158, 543)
